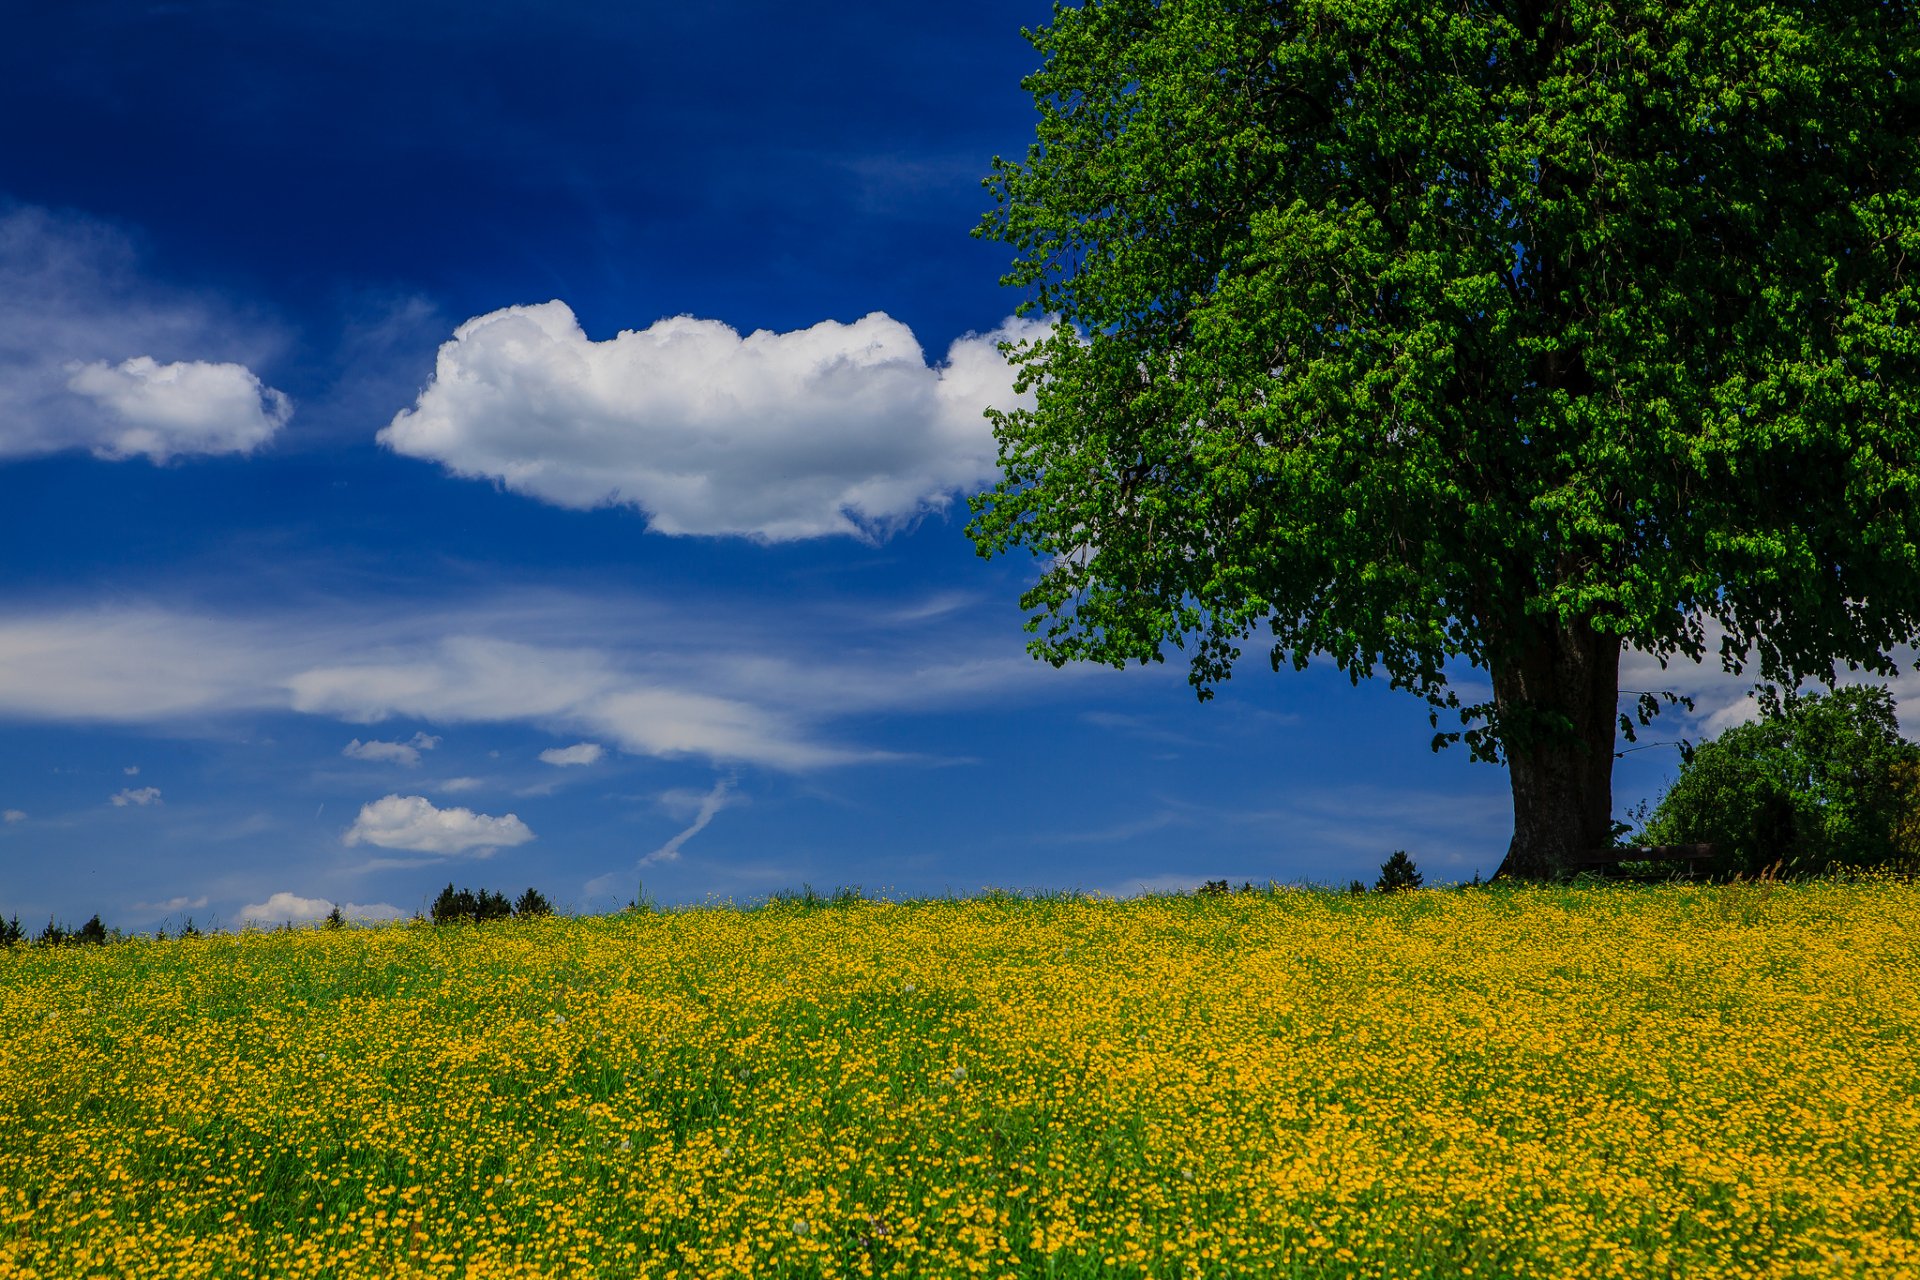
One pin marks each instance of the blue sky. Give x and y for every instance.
(350, 549)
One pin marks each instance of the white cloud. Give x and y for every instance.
(835, 429)
(288, 908)
(122, 665)
(709, 805)
(468, 678)
(407, 753)
(132, 771)
(95, 356)
(187, 407)
(578, 753)
(413, 823)
(647, 677)
(181, 903)
(136, 796)
(14, 815)
(460, 784)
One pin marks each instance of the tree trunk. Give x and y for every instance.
(1558, 703)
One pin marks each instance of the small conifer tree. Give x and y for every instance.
(1397, 873)
(334, 919)
(532, 903)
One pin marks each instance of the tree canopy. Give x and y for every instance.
(1491, 335)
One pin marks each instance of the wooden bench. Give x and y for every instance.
(1695, 856)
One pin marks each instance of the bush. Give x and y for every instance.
(11, 932)
(1816, 783)
(1397, 873)
(532, 903)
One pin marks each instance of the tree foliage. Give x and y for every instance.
(1397, 873)
(1502, 334)
(1816, 783)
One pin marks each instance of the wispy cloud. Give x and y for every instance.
(138, 796)
(709, 805)
(181, 903)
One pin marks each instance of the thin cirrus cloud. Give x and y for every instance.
(706, 807)
(416, 824)
(148, 666)
(179, 903)
(94, 355)
(838, 429)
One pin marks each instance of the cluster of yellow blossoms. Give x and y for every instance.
(1680, 1081)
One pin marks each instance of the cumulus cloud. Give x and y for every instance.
(136, 796)
(414, 823)
(190, 406)
(578, 753)
(407, 753)
(14, 815)
(95, 356)
(288, 908)
(836, 429)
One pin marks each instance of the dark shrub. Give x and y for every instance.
(334, 919)
(1214, 887)
(532, 903)
(11, 932)
(1397, 873)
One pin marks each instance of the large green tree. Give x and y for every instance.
(1427, 335)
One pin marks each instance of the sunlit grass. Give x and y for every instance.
(1689, 1081)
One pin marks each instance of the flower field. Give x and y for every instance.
(1690, 1081)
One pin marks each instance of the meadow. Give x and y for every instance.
(1683, 1080)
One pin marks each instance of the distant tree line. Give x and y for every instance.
(452, 906)
(455, 906)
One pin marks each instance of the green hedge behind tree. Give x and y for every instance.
(1817, 782)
